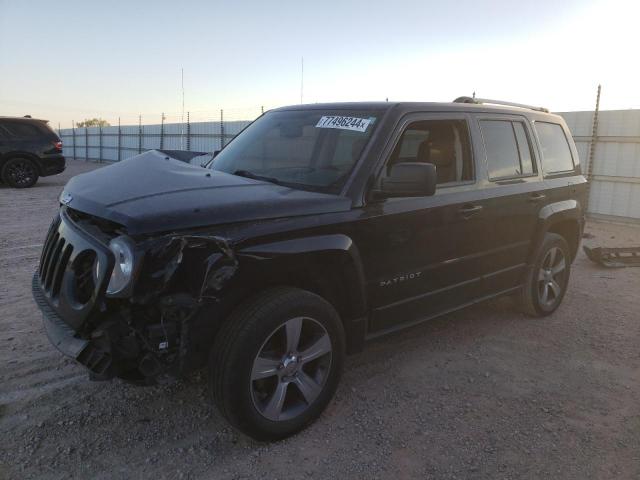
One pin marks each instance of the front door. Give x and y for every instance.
(424, 255)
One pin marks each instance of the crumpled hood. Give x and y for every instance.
(153, 192)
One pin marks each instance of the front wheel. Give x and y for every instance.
(276, 363)
(547, 280)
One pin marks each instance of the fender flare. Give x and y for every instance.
(288, 254)
(551, 215)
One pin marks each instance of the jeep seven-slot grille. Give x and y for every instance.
(54, 259)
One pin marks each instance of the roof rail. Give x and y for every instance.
(499, 102)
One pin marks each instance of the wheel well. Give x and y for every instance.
(5, 158)
(332, 277)
(323, 280)
(570, 230)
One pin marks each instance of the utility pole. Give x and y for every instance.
(301, 79)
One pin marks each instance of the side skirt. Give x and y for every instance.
(402, 326)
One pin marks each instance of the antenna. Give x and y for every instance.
(301, 79)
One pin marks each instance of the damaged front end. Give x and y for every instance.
(134, 310)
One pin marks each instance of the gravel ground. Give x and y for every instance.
(482, 393)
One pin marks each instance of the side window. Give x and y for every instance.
(508, 149)
(556, 154)
(21, 130)
(445, 143)
(524, 149)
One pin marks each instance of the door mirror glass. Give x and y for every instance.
(410, 179)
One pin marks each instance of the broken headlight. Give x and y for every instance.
(124, 252)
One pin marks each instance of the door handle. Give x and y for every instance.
(537, 197)
(470, 210)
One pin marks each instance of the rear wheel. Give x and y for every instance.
(276, 363)
(19, 173)
(547, 281)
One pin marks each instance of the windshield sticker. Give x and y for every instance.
(344, 123)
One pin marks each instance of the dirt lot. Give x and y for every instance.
(483, 393)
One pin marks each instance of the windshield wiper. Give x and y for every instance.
(255, 176)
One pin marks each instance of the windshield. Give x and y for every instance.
(313, 149)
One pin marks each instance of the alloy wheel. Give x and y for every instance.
(551, 277)
(21, 172)
(291, 369)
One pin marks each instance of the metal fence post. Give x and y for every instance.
(592, 147)
(188, 133)
(73, 135)
(139, 133)
(100, 143)
(119, 139)
(162, 132)
(221, 129)
(86, 144)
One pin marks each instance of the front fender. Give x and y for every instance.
(289, 254)
(335, 256)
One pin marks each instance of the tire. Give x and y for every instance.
(265, 383)
(19, 172)
(547, 280)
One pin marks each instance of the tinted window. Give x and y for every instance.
(502, 150)
(445, 143)
(556, 154)
(508, 149)
(524, 149)
(21, 130)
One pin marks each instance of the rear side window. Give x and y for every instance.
(556, 154)
(21, 129)
(508, 149)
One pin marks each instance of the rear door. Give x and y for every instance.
(514, 193)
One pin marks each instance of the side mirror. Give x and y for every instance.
(215, 153)
(410, 179)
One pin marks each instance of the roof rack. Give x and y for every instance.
(499, 102)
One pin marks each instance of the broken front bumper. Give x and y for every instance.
(64, 338)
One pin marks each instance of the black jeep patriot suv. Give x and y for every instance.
(29, 149)
(317, 228)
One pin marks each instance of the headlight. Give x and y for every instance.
(123, 250)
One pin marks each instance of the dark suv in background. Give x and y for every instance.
(29, 149)
(317, 228)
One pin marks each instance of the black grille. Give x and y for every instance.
(53, 262)
(73, 269)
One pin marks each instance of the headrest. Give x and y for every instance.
(423, 152)
(441, 152)
(438, 151)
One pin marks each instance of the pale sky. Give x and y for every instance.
(69, 60)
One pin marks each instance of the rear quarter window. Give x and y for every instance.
(556, 153)
(27, 130)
